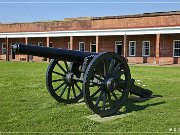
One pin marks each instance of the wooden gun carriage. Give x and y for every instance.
(103, 79)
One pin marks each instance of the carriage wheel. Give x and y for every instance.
(106, 83)
(61, 83)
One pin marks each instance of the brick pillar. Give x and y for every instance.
(97, 44)
(7, 49)
(71, 43)
(47, 45)
(157, 47)
(125, 46)
(26, 42)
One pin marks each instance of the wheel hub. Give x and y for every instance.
(111, 84)
(69, 78)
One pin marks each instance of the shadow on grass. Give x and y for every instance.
(130, 104)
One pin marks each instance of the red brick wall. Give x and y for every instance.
(36, 40)
(135, 59)
(107, 43)
(60, 42)
(138, 22)
(139, 41)
(16, 40)
(129, 22)
(166, 44)
(87, 41)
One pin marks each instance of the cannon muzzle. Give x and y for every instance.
(14, 48)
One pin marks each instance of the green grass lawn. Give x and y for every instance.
(26, 106)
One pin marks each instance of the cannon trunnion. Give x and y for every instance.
(104, 79)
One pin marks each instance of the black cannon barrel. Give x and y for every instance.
(53, 53)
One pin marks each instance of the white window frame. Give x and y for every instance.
(40, 43)
(2, 45)
(116, 44)
(69, 45)
(80, 43)
(143, 48)
(175, 48)
(134, 48)
(91, 44)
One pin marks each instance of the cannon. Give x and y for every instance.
(103, 79)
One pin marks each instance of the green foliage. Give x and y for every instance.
(26, 106)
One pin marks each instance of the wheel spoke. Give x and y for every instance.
(119, 90)
(61, 68)
(78, 87)
(109, 99)
(74, 92)
(95, 93)
(100, 71)
(66, 65)
(95, 84)
(68, 93)
(105, 67)
(117, 68)
(58, 73)
(122, 72)
(59, 86)
(114, 95)
(57, 80)
(79, 81)
(99, 98)
(99, 78)
(63, 90)
(111, 66)
(104, 101)
(118, 74)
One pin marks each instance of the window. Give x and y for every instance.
(3, 48)
(132, 48)
(81, 46)
(146, 48)
(93, 46)
(40, 43)
(176, 48)
(118, 47)
(69, 45)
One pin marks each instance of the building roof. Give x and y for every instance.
(109, 17)
(139, 15)
(146, 20)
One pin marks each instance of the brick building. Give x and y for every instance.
(143, 38)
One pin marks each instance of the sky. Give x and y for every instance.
(13, 11)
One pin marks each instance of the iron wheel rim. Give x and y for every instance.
(102, 105)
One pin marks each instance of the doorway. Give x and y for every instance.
(93, 47)
(118, 47)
